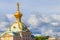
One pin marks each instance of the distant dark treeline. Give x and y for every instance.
(42, 37)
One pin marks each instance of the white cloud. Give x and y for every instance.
(37, 34)
(47, 32)
(55, 23)
(3, 25)
(45, 29)
(33, 20)
(56, 17)
(45, 19)
(10, 17)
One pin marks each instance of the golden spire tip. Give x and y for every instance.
(17, 6)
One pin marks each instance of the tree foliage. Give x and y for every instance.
(41, 37)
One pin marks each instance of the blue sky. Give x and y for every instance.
(41, 16)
